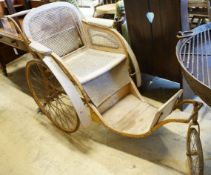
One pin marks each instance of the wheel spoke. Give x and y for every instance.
(62, 116)
(196, 165)
(56, 111)
(195, 154)
(51, 97)
(68, 111)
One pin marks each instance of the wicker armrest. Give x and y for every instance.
(103, 38)
(39, 48)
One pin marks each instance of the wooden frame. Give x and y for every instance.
(42, 51)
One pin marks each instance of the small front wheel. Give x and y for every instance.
(194, 152)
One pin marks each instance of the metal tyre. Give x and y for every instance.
(194, 152)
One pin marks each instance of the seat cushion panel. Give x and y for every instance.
(90, 64)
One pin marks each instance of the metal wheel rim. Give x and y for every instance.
(51, 97)
(194, 152)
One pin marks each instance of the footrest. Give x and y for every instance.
(130, 116)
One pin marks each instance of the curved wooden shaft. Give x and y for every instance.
(194, 115)
(196, 107)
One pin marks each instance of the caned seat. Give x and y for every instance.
(90, 64)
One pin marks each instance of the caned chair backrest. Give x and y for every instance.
(56, 26)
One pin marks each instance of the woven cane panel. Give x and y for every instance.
(57, 29)
(63, 42)
(103, 39)
(91, 63)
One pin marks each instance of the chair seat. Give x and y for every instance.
(89, 64)
(106, 9)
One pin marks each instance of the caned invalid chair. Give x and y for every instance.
(82, 75)
(96, 56)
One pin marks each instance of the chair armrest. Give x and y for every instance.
(18, 14)
(103, 38)
(39, 48)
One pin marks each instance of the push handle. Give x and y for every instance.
(18, 14)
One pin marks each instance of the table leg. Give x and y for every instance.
(4, 69)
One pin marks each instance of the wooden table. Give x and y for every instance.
(106, 9)
(8, 42)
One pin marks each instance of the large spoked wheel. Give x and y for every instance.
(51, 97)
(194, 152)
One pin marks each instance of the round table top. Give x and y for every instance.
(107, 9)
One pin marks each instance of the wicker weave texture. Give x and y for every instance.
(56, 28)
(99, 38)
(92, 63)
